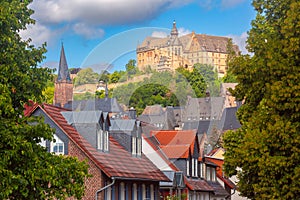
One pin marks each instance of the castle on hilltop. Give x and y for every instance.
(167, 54)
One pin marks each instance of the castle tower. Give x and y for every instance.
(174, 31)
(63, 92)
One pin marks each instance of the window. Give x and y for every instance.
(213, 174)
(208, 174)
(122, 191)
(151, 191)
(106, 142)
(136, 146)
(133, 145)
(194, 167)
(57, 146)
(102, 140)
(201, 170)
(187, 167)
(134, 192)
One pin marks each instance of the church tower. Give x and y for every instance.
(63, 92)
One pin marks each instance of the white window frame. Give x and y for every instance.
(106, 141)
(103, 140)
(100, 140)
(193, 167)
(139, 147)
(54, 144)
(201, 170)
(188, 167)
(196, 167)
(133, 145)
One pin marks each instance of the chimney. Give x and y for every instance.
(132, 113)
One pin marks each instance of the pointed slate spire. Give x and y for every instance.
(174, 31)
(63, 71)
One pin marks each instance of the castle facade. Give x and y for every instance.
(167, 54)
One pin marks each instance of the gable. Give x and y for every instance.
(58, 131)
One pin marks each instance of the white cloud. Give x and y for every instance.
(182, 31)
(160, 34)
(100, 12)
(224, 4)
(240, 40)
(38, 33)
(88, 32)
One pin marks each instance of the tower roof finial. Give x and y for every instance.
(174, 31)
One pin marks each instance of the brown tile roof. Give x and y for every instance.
(218, 189)
(117, 163)
(176, 144)
(198, 185)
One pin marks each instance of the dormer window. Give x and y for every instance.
(136, 146)
(102, 140)
(194, 167)
(210, 173)
(57, 146)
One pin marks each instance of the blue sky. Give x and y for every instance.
(102, 33)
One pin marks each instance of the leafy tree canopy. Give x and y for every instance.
(264, 153)
(27, 170)
(85, 76)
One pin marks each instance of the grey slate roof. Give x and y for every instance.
(106, 105)
(63, 71)
(203, 108)
(229, 119)
(204, 126)
(82, 117)
(122, 125)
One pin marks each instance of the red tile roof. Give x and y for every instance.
(117, 163)
(160, 153)
(176, 144)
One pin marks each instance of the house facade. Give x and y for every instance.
(116, 172)
(181, 148)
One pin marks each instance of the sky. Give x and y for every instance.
(103, 34)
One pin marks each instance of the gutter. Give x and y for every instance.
(105, 187)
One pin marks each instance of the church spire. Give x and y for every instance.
(63, 71)
(174, 31)
(63, 92)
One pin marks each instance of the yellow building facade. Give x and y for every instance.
(167, 54)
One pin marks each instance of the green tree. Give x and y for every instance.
(210, 75)
(85, 76)
(264, 153)
(131, 68)
(114, 77)
(27, 170)
(229, 76)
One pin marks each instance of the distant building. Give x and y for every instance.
(167, 54)
(63, 92)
